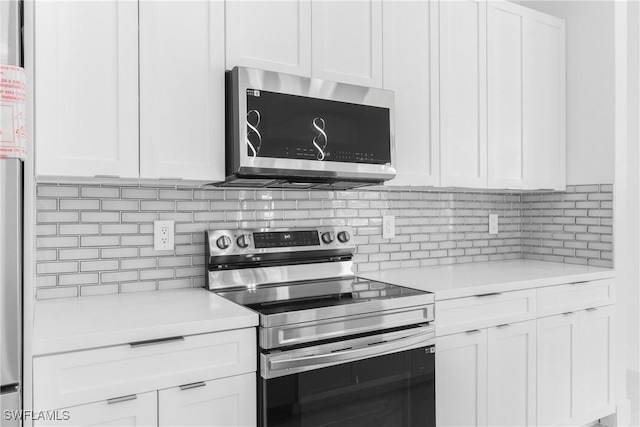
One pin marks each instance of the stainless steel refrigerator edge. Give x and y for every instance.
(10, 283)
(10, 240)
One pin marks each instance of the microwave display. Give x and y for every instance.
(303, 128)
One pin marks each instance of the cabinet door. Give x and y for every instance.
(462, 74)
(506, 153)
(225, 402)
(128, 411)
(597, 368)
(182, 90)
(511, 378)
(557, 370)
(86, 88)
(272, 35)
(347, 41)
(406, 47)
(544, 100)
(461, 379)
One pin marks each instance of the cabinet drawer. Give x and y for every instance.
(139, 410)
(576, 296)
(224, 402)
(70, 379)
(483, 311)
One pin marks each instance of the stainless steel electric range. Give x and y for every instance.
(335, 349)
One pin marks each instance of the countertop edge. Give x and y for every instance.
(443, 295)
(86, 339)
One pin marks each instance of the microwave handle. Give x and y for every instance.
(385, 347)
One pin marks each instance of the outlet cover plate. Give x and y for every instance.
(163, 235)
(493, 223)
(388, 226)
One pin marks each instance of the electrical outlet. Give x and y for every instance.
(493, 223)
(388, 226)
(163, 235)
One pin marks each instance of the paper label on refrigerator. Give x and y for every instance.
(13, 109)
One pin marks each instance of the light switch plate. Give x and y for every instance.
(388, 226)
(493, 223)
(163, 235)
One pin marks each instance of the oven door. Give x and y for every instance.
(382, 380)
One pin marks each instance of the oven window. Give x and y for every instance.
(393, 390)
(301, 128)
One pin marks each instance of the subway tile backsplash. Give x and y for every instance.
(94, 239)
(573, 227)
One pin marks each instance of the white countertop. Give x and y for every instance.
(82, 323)
(460, 280)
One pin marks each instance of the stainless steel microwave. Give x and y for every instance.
(297, 132)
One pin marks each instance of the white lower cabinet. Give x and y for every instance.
(575, 367)
(557, 369)
(511, 376)
(127, 411)
(223, 402)
(205, 379)
(461, 379)
(486, 377)
(597, 344)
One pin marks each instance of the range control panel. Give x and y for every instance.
(255, 241)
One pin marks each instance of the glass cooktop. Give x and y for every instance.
(299, 296)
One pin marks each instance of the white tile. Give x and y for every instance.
(78, 279)
(139, 193)
(85, 253)
(79, 229)
(120, 276)
(132, 264)
(57, 242)
(93, 290)
(56, 191)
(102, 265)
(138, 287)
(100, 192)
(99, 241)
(55, 293)
(79, 204)
(100, 217)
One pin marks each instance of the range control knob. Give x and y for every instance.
(223, 242)
(344, 236)
(328, 237)
(244, 241)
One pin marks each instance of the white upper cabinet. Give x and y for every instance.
(460, 67)
(544, 100)
(182, 90)
(273, 35)
(506, 151)
(406, 48)
(347, 41)
(500, 72)
(86, 88)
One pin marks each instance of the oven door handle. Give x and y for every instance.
(373, 350)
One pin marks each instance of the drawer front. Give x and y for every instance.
(70, 379)
(483, 311)
(224, 402)
(136, 410)
(576, 296)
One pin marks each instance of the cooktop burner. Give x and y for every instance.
(316, 294)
